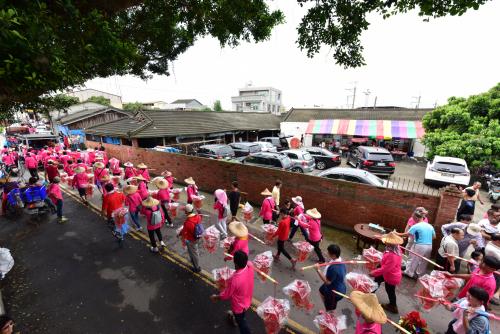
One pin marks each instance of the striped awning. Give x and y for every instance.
(379, 129)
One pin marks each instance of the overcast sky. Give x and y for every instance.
(406, 58)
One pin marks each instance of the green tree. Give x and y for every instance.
(206, 109)
(132, 106)
(466, 128)
(217, 105)
(99, 99)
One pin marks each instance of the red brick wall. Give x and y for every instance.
(342, 204)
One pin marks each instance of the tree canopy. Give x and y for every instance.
(132, 106)
(217, 105)
(100, 100)
(467, 128)
(48, 46)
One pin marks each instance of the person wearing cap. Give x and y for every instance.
(282, 233)
(80, 182)
(390, 269)
(142, 170)
(55, 195)
(482, 277)
(469, 313)
(191, 189)
(133, 202)
(467, 205)
(51, 171)
(268, 207)
(239, 289)
(371, 315)
(6, 324)
(312, 222)
(32, 165)
(234, 198)
(297, 214)
(163, 196)
(422, 234)
(130, 171)
(333, 277)
(149, 206)
(188, 235)
(142, 186)
(240, 232)
(220, 206)
(99, 172)
(448, 250)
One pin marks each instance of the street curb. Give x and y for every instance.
(292, 326)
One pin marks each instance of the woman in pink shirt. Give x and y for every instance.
(133, 202)
(390, 269)
(313, 224)
(149, 207)
(130, 171)
(191, 189)
(240, 231)
(55, 194)
(220, 206)
(32, 165)
(168, 176)
(99, 173)
(163, 196)
(142, 187)
(413, 219)
(142, 170)
(267, 207)
(114, 167)
(80, 182)
(371, 315)
(70, 168)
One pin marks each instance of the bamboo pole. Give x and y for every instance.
(333, 262)
(388, 320)
(257, 270)
(257, 239)
(422, 257)
(469, 261)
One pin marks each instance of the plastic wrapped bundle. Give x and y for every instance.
(304, 249)
(328, 323)
(64, 177)
(227, 242)
(269, 230)
(263, 262)
(175, 193)
(451, 284)
(247, 212)
(132, 181)
(373, 256)
(211, 239)
(89, 191)
(172, 209)
(198, 201)
(115, 180)
(221, 276)
(274, 312)
(120, 216)
(299, 292)
(361, 282)
(91, 178)
(154, 193)
(69, 180)
(432, 287)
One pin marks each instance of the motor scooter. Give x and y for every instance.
(33, 200)
(493, 188)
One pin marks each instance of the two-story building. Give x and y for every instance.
(258, 99)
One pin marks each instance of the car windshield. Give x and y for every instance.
(374, 179)
(224, 150)
(449, 167)
(380, 156)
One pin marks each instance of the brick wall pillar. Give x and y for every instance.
(134, 142)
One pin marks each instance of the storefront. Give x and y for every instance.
(400, 137)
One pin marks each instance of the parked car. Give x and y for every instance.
(355, 175)
(242, 149)
(279, 142)
(302, 161)
(215, 151)
(268, 159)
(42, 129)
(373, 159)
(266, 146)
(447, 170)
(324, 159)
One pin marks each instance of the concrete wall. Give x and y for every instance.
(342, 204)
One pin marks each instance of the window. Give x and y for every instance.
(307, 156)
(251, 159)
(334, 176)
(380, 156)
(275, 163)
(352, 178)
(449, 167)
(292, 155)
(126, 141)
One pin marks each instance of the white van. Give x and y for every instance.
(447, 170)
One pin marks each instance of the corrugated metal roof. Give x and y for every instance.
(396, 114)
(160, 123)
(75, 117)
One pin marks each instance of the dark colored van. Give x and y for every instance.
(373, 159)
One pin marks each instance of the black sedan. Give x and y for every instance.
(324, 159)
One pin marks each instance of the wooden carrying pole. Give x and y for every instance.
(255, 238)
(333, 262)
(257, 270)
(423, 257)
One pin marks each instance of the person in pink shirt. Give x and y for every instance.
(70, 168)
(149, 207)
(8, 159)
(133, 202)
(169, 177)
(142, 170)
(390, 269)
(64, 157)
(240, 231)
(191, 189)
(142, 187)
(130, 171)
(298, 212)
(81, 164)
(55, 194)
(163, 196)
(239, 290)
(482, 277)
(268, 206)
(413, 219)
(313, 224)
(220, 206)
(99, 173)
(76, 155)
(114, 167)
(32, 165)
(371, 315)
(80, 182)
(90, 156)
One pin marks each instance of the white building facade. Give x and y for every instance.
(258, 99)
(84, 94)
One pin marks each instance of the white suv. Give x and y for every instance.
(447, 170)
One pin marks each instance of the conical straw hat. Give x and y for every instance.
(266, 192)
(99, 165)
(161, 183)
(130, 189)
(189, 180)
(238, 229)
(150, 202)
(142, 165)
(314, 213)
(368, 305)
(392, 238)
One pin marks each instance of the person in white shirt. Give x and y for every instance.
(490, 226)
(493, 249)
(448, 250)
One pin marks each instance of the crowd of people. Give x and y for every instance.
(126, 195)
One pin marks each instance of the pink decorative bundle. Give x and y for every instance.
(269, 230)
(211, 239)
(437, 285)
(175, 193)
(274, 312)
(221, 276)
(119, 216)
(304, 249)
(64, 177)
(198, 201)
(89, 191)
(91, 178)
(227, 242)
(154, 193)
(328, 323)
(69, 180)
(247, 212)
(263, 262)
(361, 282)
(115, 180)
(373, 256)
(172, 209)
(299, 292)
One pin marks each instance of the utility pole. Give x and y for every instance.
(353, 94)
(418, 101)
(375, 102)
(367, 95)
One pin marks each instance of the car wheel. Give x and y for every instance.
(321, 165)
(426, 182)
(297, 170)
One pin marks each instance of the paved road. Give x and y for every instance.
(72, 278)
